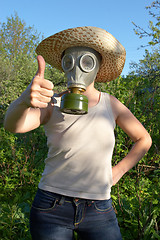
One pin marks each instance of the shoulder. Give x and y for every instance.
(118, 108)
(126, 120)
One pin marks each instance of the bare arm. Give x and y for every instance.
(32, 108)
(134, 129)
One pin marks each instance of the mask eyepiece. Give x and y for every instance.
(87, 63)
(67, 62)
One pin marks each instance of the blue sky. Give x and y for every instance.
(115, 16)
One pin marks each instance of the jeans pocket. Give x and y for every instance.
(44, 201)
(104, 210)
(103, 206)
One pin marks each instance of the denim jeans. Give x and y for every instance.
(56, 217)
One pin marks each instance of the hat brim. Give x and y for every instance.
(112, 52)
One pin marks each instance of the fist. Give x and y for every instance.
(41, 90)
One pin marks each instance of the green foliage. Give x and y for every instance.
(14, 214)
(57, 77)
(136, 197)
(21, 162)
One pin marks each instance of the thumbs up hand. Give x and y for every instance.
(40, 89)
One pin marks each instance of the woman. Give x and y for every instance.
(74, 191)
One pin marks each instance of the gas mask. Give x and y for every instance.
(81, 65)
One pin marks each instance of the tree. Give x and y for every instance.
(16, 38)
(154, 28)
(149, 67)
(17, 61)
(145, 104)
(21, 156)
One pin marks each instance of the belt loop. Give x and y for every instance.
(89, 202)
(61, 200)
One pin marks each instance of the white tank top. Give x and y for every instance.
(80, 152)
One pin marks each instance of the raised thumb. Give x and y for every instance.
(41, 66)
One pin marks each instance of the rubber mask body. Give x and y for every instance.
(77, 77)
(80, 65)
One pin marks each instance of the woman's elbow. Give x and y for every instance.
(148, 141)
(8, 128)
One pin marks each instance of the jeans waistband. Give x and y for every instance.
(62, 198)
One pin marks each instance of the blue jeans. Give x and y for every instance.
(56, 217)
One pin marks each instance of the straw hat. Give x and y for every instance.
(112, 52)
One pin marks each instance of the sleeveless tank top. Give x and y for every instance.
(80, 152)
